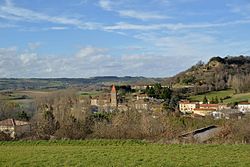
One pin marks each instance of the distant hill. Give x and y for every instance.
(61, 83)
(218, 74)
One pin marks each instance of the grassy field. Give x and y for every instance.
(222, 94)
(120, 153)
(92, 93)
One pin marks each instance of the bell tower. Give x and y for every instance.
(113, 97)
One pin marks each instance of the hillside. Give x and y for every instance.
(218, 74)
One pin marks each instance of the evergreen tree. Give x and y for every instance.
(212, 101)
(205, 101)
(216, 101)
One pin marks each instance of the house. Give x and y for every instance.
(141, 105)
(209, 106)
(244, 107)
(227, 114)
(142, 96)
(224, 107)
(14, 127)
(105, 102)
(186, 106)
(203, 111)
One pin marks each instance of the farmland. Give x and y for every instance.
(120, 153)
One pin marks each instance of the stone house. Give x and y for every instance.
(244, 107)
(14, 127)
(186, 106)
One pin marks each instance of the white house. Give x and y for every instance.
(186, 106)
(244, 107)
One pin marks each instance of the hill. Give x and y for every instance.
(218, 74)
(61, 83)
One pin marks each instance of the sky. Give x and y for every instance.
(87, 38)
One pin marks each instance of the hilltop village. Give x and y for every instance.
(141, 101)
(114, 101)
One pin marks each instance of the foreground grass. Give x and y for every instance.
(120, 153)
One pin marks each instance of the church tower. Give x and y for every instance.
(113, 97)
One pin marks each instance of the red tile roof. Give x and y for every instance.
(12, 122)
(209, 105)
(7, 122)
(205, 109)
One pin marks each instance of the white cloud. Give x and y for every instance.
(141, 15)
(243, 9)
(11, 12)
(95, 62)
(173, 27)
(58, 28)
(90, 51)
(27, 58)
(34, 45)
(105, 4)
(116, 6)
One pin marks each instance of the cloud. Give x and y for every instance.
(141, 15)
(11, 12)
(90, 51)
(86, 62)
(34, 45)
(129, 13)
(238, 8)
(57, 28)
(27, 58)
(105, 4)
(172, 27)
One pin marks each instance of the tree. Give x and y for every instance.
(158, 90)
(151, 92)
(216, 101)
(166, 93)
(212, 101)
(46, 125)
(205, 101)
(23, 116)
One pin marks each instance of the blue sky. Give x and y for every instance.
(85, 38)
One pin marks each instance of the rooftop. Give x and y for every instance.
(12, 122)
(113, 90)
(209, 105)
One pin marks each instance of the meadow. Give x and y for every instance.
(229, 96)
(120, 153)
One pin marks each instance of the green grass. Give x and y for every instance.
(238, 98)
(120, 153)
(213, 94)
(92, 93)
(222, 94)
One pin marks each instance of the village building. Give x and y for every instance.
(244, 107)
(139, 87)
(203, 111)
(227, 114)
(141, 105)
(113, 97)
(142, 96)
(186, 106)
(105, 102)
(209, 106)
(15, 128)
